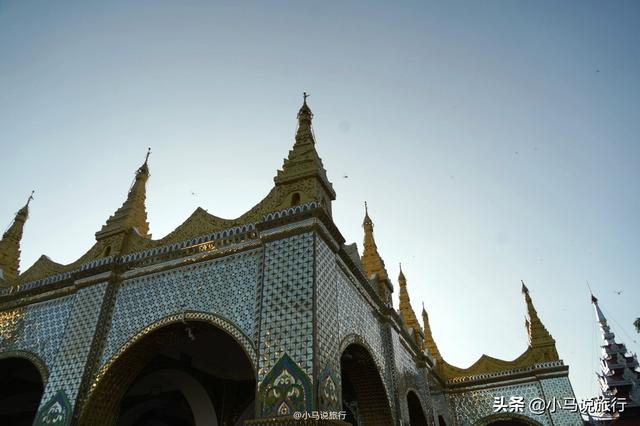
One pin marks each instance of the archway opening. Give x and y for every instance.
(416, 415)
(363, 395)
(21, 390)
(183, 374)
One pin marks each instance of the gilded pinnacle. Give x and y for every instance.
(10, 245)
(429, 342)
(132, 214)
(536, 331)
(406, 311)
(371, 260)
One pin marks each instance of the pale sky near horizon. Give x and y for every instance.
(494, 141)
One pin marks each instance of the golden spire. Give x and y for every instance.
(536, 331)
(406, 311)
(371, 260)
(10, 245)
(132, 214)
(303, 163)
(372, 263)
(429, 342)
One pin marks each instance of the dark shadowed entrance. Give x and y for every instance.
(183, 374)
(21, 389)
(416, 415)
(363, 394)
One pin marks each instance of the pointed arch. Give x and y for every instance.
(128, 365)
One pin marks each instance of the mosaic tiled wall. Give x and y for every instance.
(440, 406)
(355, 317)
(286, 318)
(71, 358)
(410, 377)
(328, 356)
(473, 405)
(225, 287)
(560, 388)
(37, 328)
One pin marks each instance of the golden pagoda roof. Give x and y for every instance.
(302, 179)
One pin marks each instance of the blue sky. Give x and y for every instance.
(494, 141)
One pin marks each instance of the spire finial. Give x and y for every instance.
(401, 277)
(367, 220)
(594, 299)
(524, 287)
(304, 134)
(30, 198)
(144, 169)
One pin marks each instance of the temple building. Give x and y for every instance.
(271, 318)
(619, 379)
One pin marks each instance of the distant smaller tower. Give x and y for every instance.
(620, 376)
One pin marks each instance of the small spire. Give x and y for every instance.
(371, 260)
(429, 342)
(524, 287)
(406, 311)
(10, 244)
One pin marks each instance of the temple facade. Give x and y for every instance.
(267, 319)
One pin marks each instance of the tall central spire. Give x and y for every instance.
(303, 177)
(10, 245)
(536, 331)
